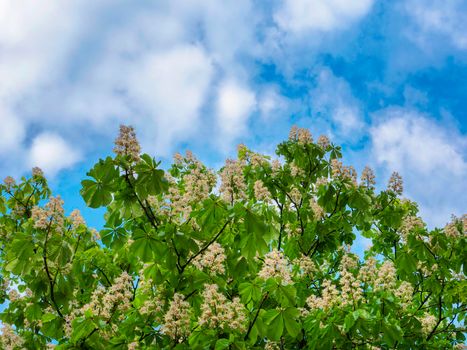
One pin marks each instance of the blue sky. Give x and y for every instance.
(385, 79)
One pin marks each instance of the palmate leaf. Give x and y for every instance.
(98, 192)
(150, 180)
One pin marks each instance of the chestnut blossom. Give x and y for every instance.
(271, 345)
(9, 340)
(194, 186)
(177, 319)
(261, 191)
(404, 293)
(126, 143)
(318, 212)
(233, 186)
(218, 312)
(368, 178)
(306, 265)
(344, 172)
(368, 272)
(37, 172)
(211, 259)
(9, 182)
(104, 301)
(295, 196)
(330, 297)
(276, 167)
(296, 171)
(351, 291)
(76, 219)
(275, 265)
(337, 169)
(395, 183)
(410, 223)
(321, 181)
(301, 135)
(386, 277)
(428, 322)
(323, 142)
(53, 213)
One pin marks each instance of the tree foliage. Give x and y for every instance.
(255, 256)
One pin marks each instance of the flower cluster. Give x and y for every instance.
(404, 293)
(295, 196)
(368, 178)
(386, 277)
(318, 212)
(306, 266)
(212, 259)
(9, 340)
(261, 191)
(323, 142)
(330, 297)
(37, 172)
(456, 227)
(301, 135)
(177, 319)
(76, 219)
(409, 224)
(271, 345)
(428, 322)
(344, 172)
(51, 214)
(275, 265)
(395, 183)
(233, 186)
(126, 143)
(104, 302)
(195, 185)
(218, 312)
(154, 302)
(9, 182)
(368, 271)
(296, 171)
(351, 291)
(275, 167)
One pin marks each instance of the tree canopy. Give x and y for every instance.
(256, 255)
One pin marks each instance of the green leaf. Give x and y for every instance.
(391, 333)
(273, 318)
(222, 344)
(290, 316)
(82, 327)
(150, 180)
(98, 192)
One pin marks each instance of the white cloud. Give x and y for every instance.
(235, 104)
(430, 157)
(325, 15)
(52, 153)
(332, 100)
(12, 131)
(271, 103)
(438, 17)
(170, 88)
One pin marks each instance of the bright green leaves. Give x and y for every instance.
(146, 246)
(278, 320)
(250, 292)
(83, 328)
(98, 192)
(257, 235)
(160, 234)
(275, 322)
(392, 332)
(21, 254)
(149, 180)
